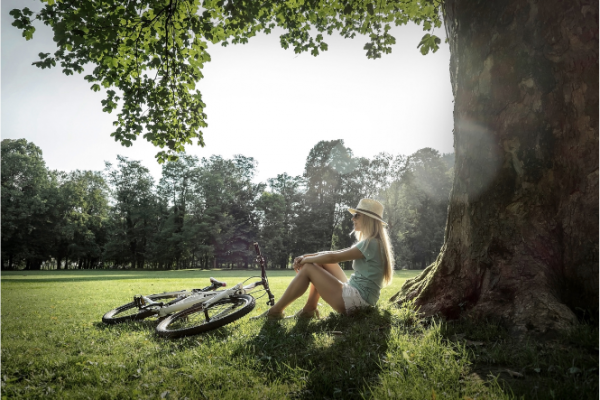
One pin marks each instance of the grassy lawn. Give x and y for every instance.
(54, 345)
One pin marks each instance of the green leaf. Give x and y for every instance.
(28, 33)
(429, 42)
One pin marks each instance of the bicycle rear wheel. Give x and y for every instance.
(197, 319)
(130, 312)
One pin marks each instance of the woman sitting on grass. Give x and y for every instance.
(373, 268)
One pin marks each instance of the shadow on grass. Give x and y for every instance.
(336, 357)
(565, 367)
(148, 324)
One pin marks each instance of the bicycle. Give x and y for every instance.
(191, 312)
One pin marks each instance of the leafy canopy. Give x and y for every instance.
(149, 54)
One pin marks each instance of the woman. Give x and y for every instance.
(373, 269)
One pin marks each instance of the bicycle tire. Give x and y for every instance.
(127, 312)
(193, 320)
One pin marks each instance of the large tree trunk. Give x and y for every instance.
(521, 242)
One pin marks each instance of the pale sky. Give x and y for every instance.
(262, 101)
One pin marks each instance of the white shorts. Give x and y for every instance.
(352, 298)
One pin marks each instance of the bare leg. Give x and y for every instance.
(326, 284)
(337, 271)
(314, 296)
(313, 299)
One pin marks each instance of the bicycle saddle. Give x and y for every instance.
(217, 283)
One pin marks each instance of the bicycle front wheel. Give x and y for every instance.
(130, 312)
(198, 319)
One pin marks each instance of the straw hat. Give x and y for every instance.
(371, 208)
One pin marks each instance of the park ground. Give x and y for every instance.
(54, 345)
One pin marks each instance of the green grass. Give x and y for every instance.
(55, 346)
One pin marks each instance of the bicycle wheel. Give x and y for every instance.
(196, 319)
(130, 312)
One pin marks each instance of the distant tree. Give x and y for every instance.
(291, 189)
(173, 243)
(323, 209)
(245, 194)
(271, 210)
(26, 185)
(225, 208)
(448, 159)
(421, 203)
(81, 216)
(133, 213)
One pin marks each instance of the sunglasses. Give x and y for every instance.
(355, 216)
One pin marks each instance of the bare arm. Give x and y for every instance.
(332, 257)
(297, 259)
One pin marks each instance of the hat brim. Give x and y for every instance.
(354, 211)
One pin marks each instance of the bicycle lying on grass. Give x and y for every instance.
(190, 312)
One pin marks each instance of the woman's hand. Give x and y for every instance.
(297, 263)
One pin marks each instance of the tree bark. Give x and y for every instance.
(521, 240)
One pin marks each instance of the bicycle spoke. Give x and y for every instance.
(198, 316)
(130, 311)
(219, 314)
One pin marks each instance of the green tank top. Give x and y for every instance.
(368, 272)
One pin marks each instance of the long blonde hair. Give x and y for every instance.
(371, 228)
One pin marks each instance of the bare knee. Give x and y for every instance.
(306, 268)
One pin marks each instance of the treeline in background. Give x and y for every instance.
(205, 213)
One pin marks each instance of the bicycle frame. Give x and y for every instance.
(208, 297)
